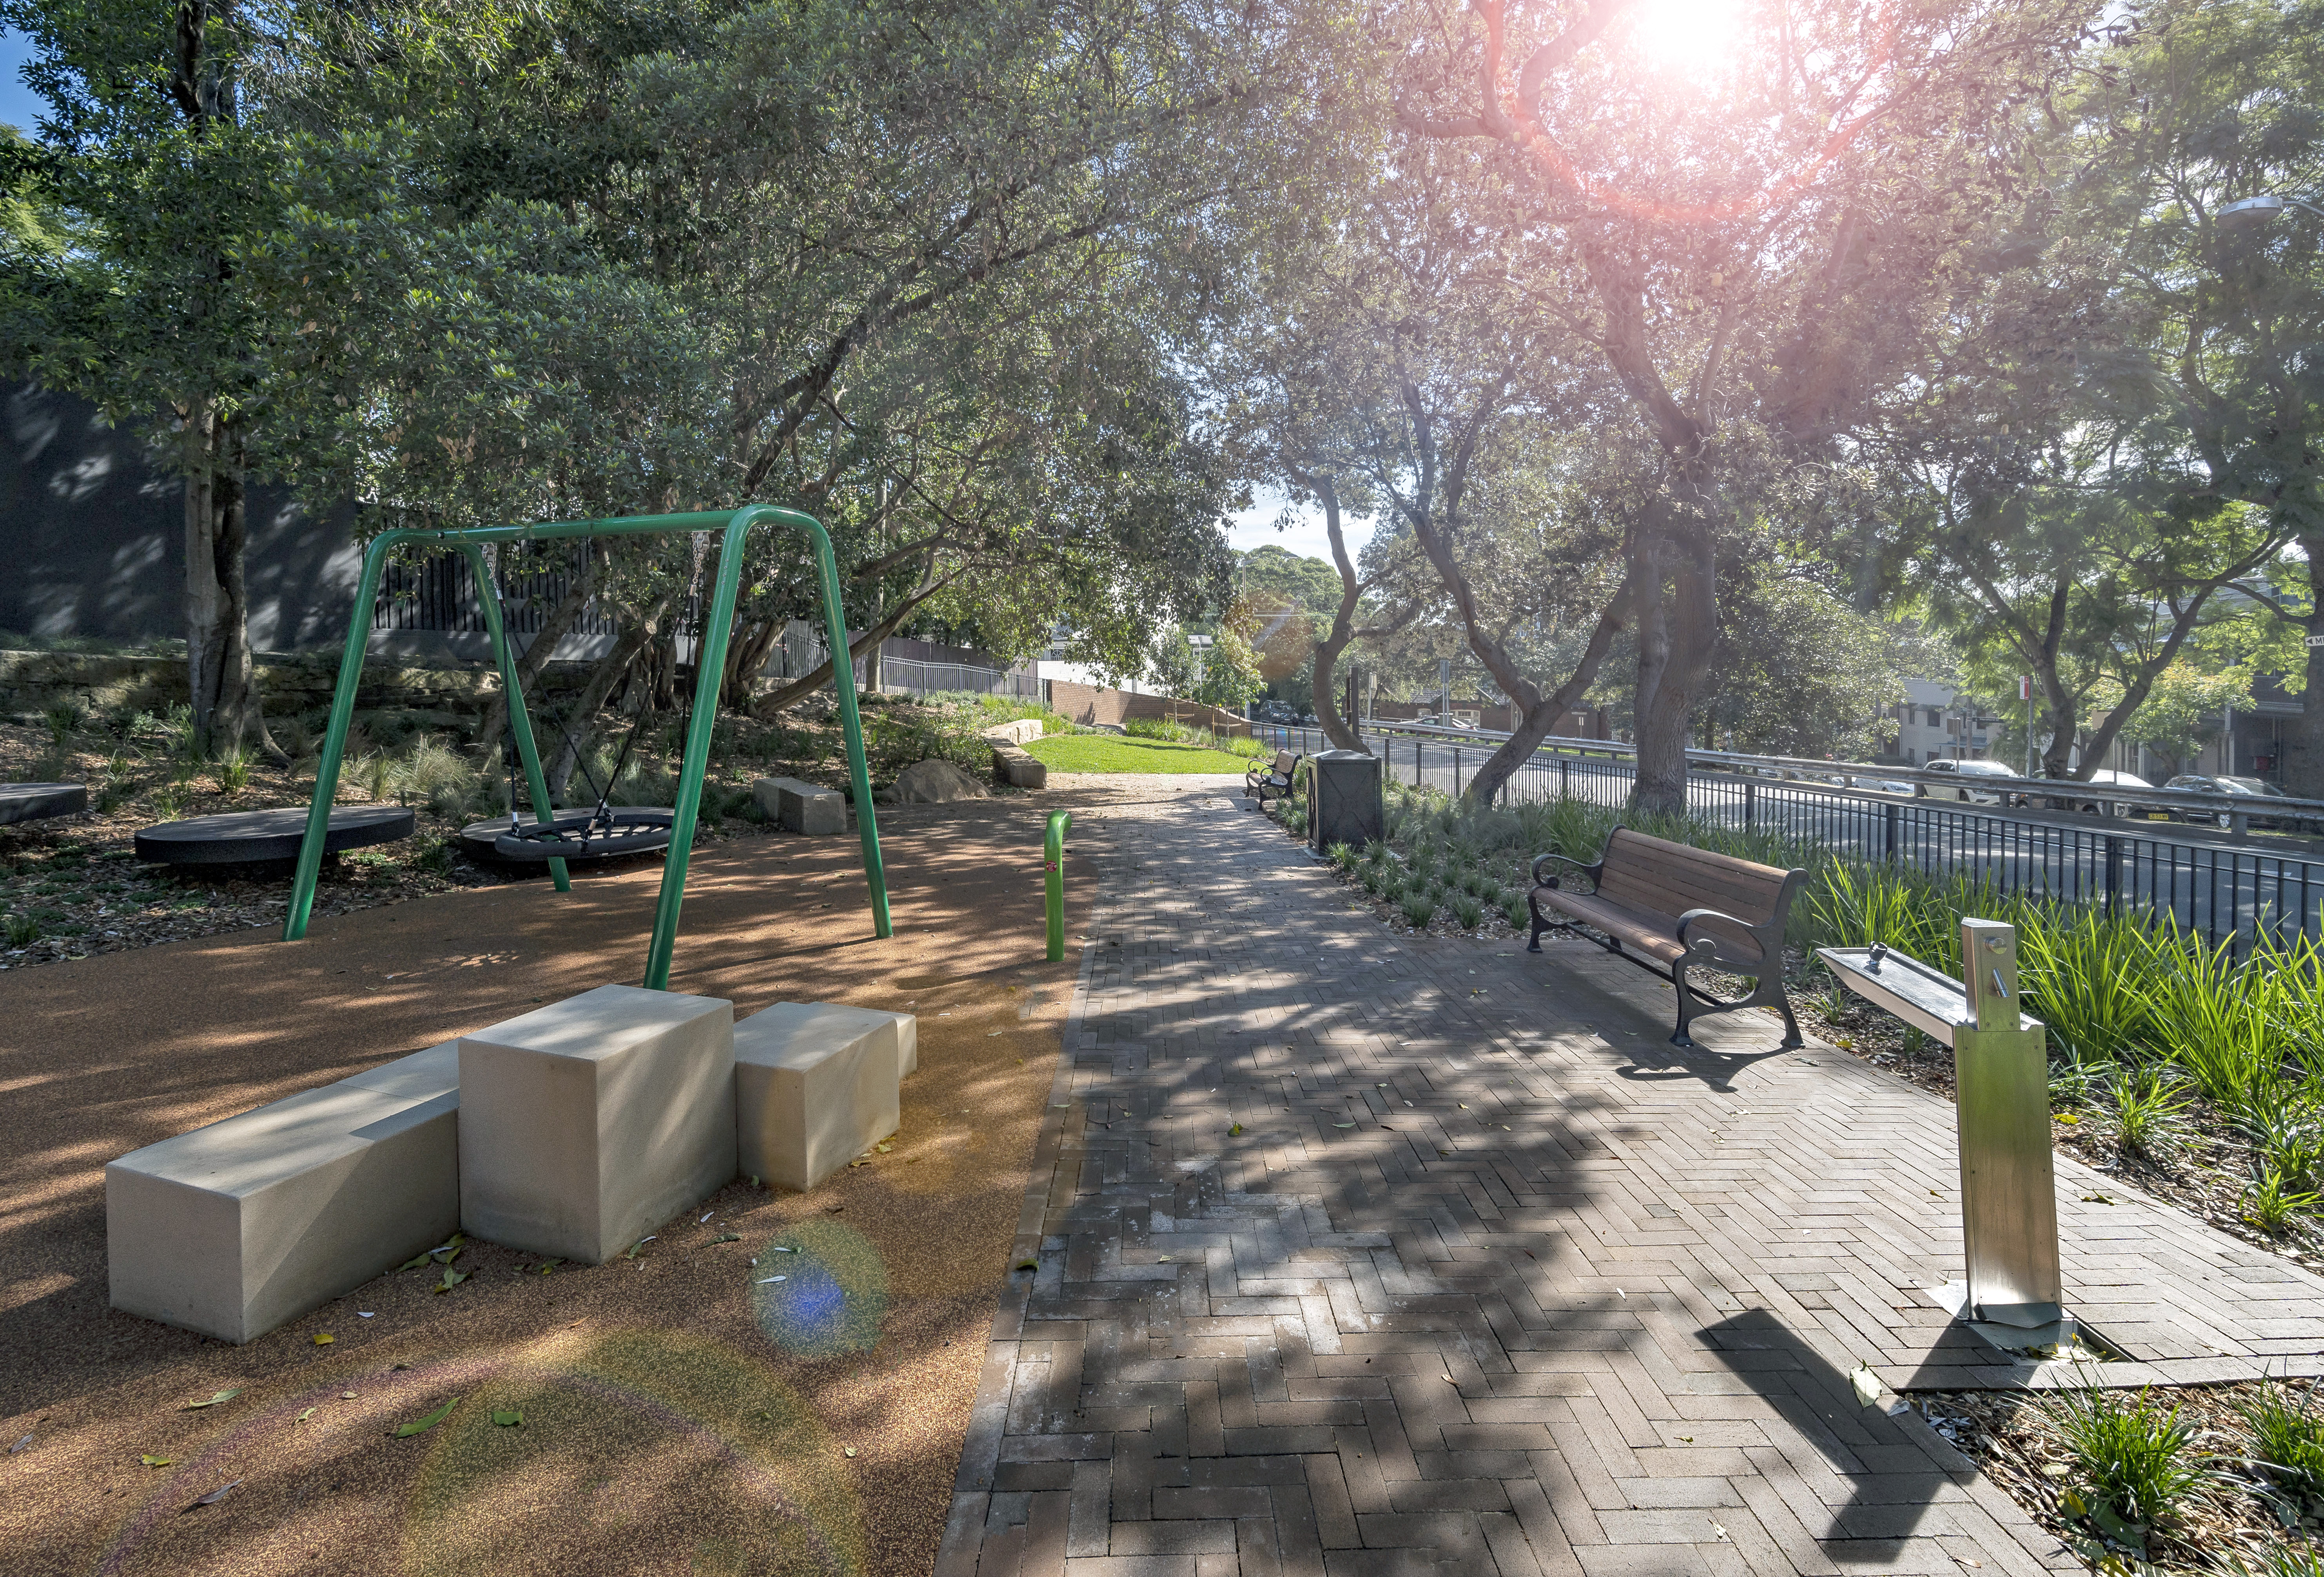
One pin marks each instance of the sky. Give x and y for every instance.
(1255, 528)
(18, 108)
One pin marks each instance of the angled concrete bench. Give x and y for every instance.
(233, 1229)
(815, 1085)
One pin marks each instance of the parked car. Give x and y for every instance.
(1976, 782)
(2245, 789)
(2105, 778)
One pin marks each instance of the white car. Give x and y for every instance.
(2105, 778)
(1975, 782)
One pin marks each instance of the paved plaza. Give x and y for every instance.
(1361, 1254)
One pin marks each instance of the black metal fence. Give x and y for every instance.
(2221, 887)
(440, 594)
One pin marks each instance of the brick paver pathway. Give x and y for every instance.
(1491, 1276)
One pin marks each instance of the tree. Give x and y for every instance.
(149, 314)
(1230, 676)
(2218, 386)
(1754, 250)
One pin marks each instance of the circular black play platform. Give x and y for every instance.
(251, 837)
(38, 801)
(635, 830)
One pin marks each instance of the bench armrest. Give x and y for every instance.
(1759, 933)
(1540, 879)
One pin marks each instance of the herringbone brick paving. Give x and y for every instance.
(1362, 1255)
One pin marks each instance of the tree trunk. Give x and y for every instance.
(1336, 728)
(220, 679)
(746, 658)
(801, 688)
(1531, 726)
(1678, 635)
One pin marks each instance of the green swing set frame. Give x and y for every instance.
(710, 672)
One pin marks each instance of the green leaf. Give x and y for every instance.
(1235, 1132)
(1867, 1384)
(452, 1278)
(414, 1263)
(403, 1430)
(302, 1417)
(727, 1238)
(213, 1401)
(507, 1417)
(150, 1461)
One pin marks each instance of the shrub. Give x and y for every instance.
(433, 774)
(1469, 911)
(23, 930)
(2133, 1458)
(1341, 856)
(2147, 1106)
(233, 772)
(1516, 910)
(2274, 1201)
(1419, 906)
(2288, 1440)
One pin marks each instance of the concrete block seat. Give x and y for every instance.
(801, 807)
(588, 1123)
(233, 1229)
(815, 1085)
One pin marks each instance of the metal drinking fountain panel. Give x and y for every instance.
(2001, 1073)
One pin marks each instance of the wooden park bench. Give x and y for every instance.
(1264, 781)
(1669, 908)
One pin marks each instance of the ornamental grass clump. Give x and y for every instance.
(2288, 1446)
(2135, 1462)
(2147, 1106)
(1419, 906)
(1469, 911)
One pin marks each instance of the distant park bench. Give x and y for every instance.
(1670, 907)
(1265, 781)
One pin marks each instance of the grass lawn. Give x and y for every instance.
(1114, 752)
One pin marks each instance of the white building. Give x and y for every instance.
(1936, 723)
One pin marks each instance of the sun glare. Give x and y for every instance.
(1692, 38)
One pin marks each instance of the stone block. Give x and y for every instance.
(815, 1086)
(1016, 731)
(586, 1124)
(234, 1229)
(1020, 770)
(801, 807)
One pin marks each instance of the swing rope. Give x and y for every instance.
(632, 832)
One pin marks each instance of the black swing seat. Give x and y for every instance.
(578, 836)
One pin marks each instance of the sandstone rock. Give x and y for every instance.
(1014, 732)
(937, 783)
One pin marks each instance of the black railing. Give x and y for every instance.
(440, 594)
(2216, 885)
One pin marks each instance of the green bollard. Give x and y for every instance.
(1053, 853)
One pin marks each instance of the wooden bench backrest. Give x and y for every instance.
(1283, 761)
(1670, 878)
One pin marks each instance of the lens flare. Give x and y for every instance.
(1692, 38)
(831, 1294)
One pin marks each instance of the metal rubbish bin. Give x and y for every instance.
(1345, 803)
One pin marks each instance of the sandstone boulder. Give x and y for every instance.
(937, 783)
